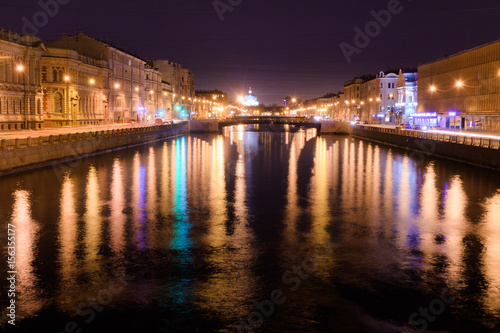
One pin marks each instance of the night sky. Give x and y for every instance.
(278, 47)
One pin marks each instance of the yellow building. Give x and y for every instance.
(75, 89)
(20, 81)
(127, 78)
(462, 90)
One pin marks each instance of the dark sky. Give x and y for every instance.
(278, 47)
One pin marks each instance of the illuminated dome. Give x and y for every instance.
(250, 99)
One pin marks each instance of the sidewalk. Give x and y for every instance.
(8, 135)
(475, 132)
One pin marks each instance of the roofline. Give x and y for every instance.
(461, 52)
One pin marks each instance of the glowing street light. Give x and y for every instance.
(432, 88)
(459, 84)
(92, 81)
(66, 78)
(117, 85)
(20, 68)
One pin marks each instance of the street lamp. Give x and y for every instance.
(459, 84)
(20, 68)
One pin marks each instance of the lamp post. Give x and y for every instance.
(20, 69)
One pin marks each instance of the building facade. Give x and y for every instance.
(378, 99)
(126, 76)
(462, 91)
(20, 81)
(406, 100)
(75, 89)
(352, 95)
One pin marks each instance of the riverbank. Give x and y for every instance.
(25, 153)
(479, 151)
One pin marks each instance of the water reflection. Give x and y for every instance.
(117, 205)
(68, 240)
(212, 222)
(26, 237)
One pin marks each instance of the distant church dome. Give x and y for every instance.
(250, 99)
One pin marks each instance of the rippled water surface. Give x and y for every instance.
(270, 232)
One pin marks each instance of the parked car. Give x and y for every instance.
(416, 127)
(436, 127)
(405, 126)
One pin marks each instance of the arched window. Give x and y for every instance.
(60, 76)
(57, 103)
(39, 107)
(54, 76)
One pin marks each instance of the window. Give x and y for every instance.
(57, 103)
(381, 85)
(380, 96)
(147, 76)
(357, 88)
(60, 76)
(54, 76)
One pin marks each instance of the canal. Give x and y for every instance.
(254, 231)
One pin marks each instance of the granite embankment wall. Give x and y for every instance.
(204, 126)
(472, 150)
(335, 127)
(23, 154)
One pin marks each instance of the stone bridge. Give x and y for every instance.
(271, 120)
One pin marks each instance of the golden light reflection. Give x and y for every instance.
(92, 218)
(293, 209)
(28, 301)
(68, 234)
(454, 227)
(429, 219)
(320, 211)
(404, 200)
(388, 197)
(226, 291)
(490, 232)
(117, 205)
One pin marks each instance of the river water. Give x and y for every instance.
(254, 231)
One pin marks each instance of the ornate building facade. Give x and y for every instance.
(126, 75)
(20, 81)
(75, 89)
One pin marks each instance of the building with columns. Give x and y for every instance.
(461, 91)
(126, 75)
(75, 89)
(20, 81)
